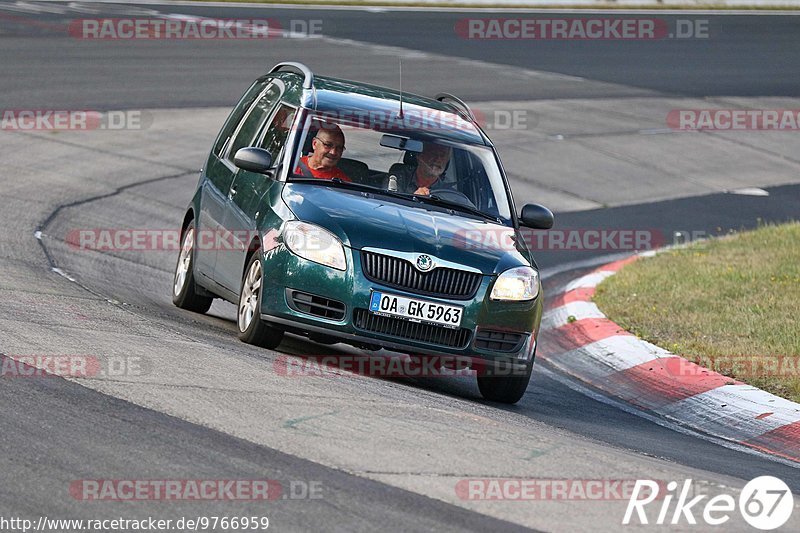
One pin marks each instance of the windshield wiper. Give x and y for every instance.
(438, 200)
(338, 182)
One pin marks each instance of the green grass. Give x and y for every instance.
(731, 304)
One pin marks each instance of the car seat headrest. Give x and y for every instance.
(410, 158)
(309, 139)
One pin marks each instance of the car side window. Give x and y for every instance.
(255, 119)
(237, 114)
(278, 131)
(474, 182)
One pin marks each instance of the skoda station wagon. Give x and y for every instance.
(356, 256)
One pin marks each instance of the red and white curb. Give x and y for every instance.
(583, 343)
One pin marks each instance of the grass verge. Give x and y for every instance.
(730, 304)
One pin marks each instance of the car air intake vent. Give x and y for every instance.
(498, 341)
(413, 331)
(401, 274)
(315, 305)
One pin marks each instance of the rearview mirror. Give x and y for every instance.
(401, 143)
(255, 160)
(536, 216)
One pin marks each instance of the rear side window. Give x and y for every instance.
(236, 115)
(278, 131)
(255, 119)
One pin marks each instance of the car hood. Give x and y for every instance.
(362, 221)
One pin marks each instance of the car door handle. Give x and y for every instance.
(232, 192)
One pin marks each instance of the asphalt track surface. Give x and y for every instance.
(56, 431)
(747, 55)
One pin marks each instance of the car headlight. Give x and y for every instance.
(517, 284)
(315, 244)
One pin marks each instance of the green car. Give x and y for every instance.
(353, 213)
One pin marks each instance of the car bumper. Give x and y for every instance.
(286, 272)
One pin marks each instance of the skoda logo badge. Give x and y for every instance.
(424, 262)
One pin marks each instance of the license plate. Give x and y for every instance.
(415, 310)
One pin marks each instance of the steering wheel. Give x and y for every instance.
(450, 195)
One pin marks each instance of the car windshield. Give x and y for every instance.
(460, 177)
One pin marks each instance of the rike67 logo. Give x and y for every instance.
(766, 503)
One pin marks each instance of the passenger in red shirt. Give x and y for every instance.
(327, 148)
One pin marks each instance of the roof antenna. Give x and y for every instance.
(401, 88)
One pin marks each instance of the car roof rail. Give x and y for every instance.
(308, 82)
(461, 107)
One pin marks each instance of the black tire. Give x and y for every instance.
(252, 329)
(184, 290)
(496, 387)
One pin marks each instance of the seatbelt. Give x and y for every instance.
(305, 170)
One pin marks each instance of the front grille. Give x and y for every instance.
(315, 305)
(401, 274)
(413, 331)
(498, 341)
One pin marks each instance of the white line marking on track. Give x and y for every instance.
(25, 7)
(64, 274)
(78, 7)
(749, 191)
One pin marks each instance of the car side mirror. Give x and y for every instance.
(536, 216)
(255, 160)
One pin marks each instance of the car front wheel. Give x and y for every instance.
(184, 290)
(496, 387)
(252, 329)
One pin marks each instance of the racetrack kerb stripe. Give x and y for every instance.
(657, 384)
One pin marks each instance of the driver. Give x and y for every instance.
(431, 165)
(327, 148)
